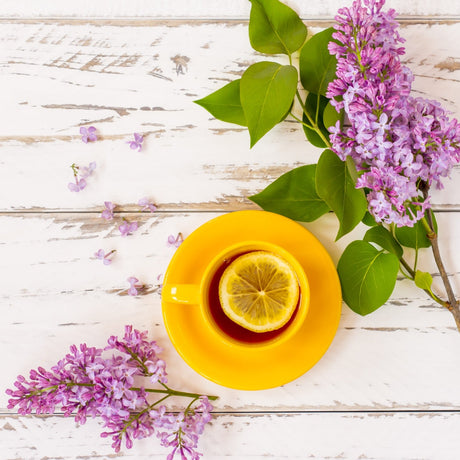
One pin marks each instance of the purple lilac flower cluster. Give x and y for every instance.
(399, 144)
(85, 383)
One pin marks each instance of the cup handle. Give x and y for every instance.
(181, 293)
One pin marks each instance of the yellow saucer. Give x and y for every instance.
(253, 368)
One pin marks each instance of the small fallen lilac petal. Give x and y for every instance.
(100, 254)
(147, 205)
(107, 213)
(137, 143)
(127, 228)
(124, 228)
(88, 134)
(175, 241)
(86, 171)
(133, 288)
(79, 185)
(84, 134)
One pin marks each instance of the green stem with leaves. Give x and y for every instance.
(411, 276)
(313, 123)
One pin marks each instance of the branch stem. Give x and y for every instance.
(313, 123)
(428, 222)
(452, 304)
(411, 273)
(172, 392)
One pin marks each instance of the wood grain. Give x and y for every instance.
(381, 436)
(54, 293)
(60, 75)
(388, 386)
(199, 9)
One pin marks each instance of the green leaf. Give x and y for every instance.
(369, 220)
(224, 104)
(351, 168)
(317, 66)
(336, 187)
(293, 195)
(414, 237)
(423, 280)
(382, 237)
(331, 116)
(274, 28)
(266, 92)
(315, 105)
(368, 276)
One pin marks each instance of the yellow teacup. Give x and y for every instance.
(206, 297)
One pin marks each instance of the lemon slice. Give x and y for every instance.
(259, 291)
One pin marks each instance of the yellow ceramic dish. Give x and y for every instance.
(253, 368)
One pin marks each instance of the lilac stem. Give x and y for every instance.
(313, 124)
(172, 392)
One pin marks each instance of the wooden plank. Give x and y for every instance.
(376, 436)
(144, 77)
(53, 294)
(225, 185)
(213, 180)
(197, 9)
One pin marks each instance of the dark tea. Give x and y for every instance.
(229, 327)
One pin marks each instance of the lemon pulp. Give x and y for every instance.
(259, 291)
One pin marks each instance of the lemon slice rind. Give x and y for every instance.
(259, 291)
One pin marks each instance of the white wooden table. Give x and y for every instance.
(388, 387)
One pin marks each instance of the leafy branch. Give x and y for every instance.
(266, 95)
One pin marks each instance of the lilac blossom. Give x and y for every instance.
(88, 134)
(79, 185)
(80, 175)
(399, 144)
(127, 228)
(184, 429)
(175, 241)
(107, 213)
(136, 144)
(133, 287)
(88, 383)
(146, 205)
(106, 258)
(86, 171)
